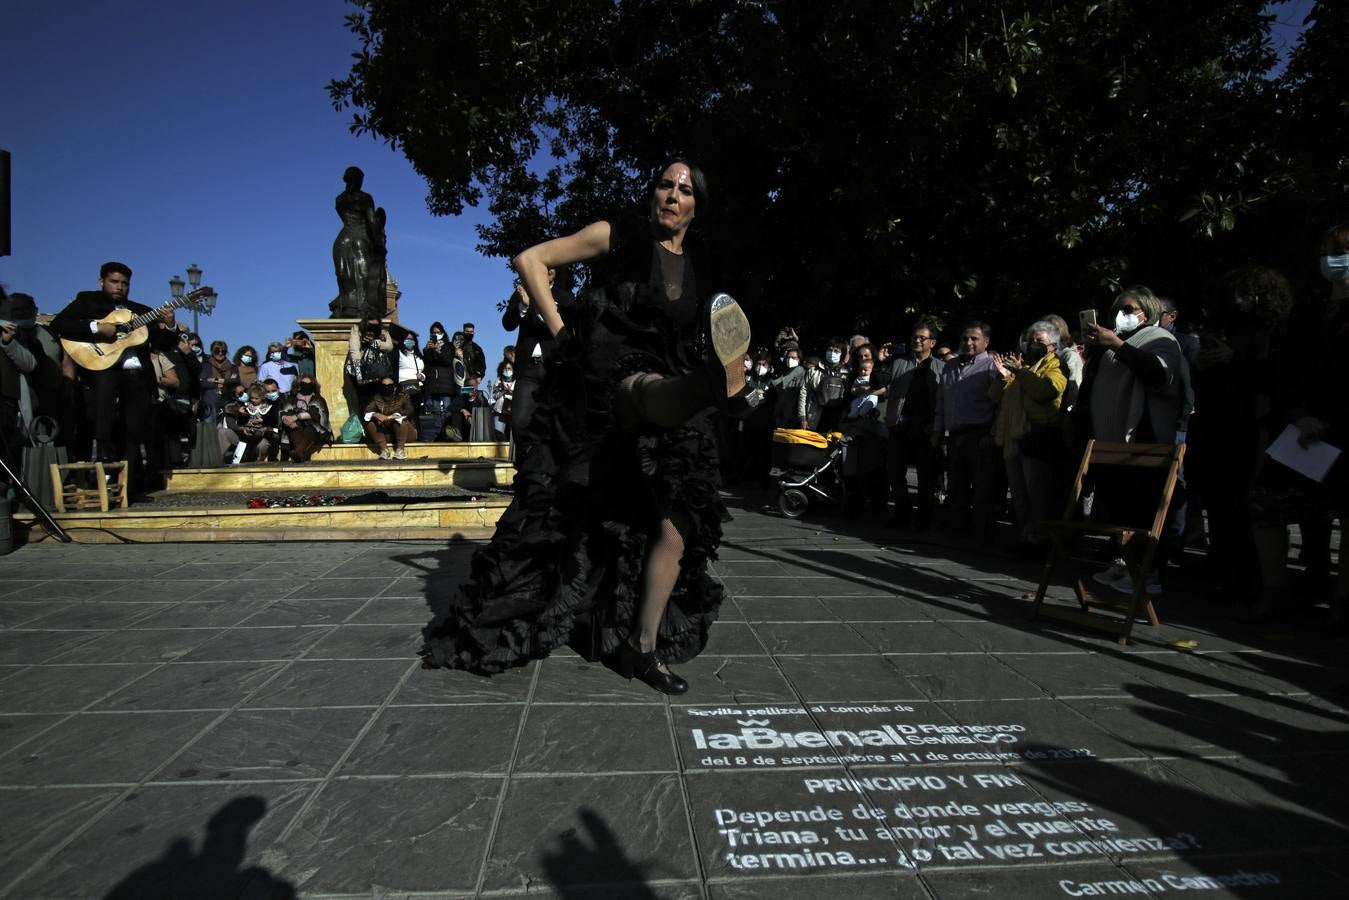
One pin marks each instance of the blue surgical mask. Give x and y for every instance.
(274, 356)
(246, 359)
(1335, 268)
(409, 343)
(834, 357)
(273, 395)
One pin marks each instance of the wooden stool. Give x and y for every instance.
(104, 495)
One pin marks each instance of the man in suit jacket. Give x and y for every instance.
(119, 398)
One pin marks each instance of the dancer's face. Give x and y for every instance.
(672, 202)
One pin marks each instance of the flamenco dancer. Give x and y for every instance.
(616, 511)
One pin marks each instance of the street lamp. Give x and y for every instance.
(207, 304)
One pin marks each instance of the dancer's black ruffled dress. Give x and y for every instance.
(565, 564)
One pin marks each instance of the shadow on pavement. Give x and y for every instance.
(215, 873)
(578, 864)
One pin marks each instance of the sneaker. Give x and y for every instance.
(1108, 577)
(386, 453)
(1152, 586)
(400, 453)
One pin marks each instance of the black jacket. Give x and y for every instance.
(72, 323)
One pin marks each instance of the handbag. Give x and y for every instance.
(374, 366)
(353, 432)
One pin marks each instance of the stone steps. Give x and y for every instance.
(440, 492)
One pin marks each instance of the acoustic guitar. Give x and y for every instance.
(132, 331)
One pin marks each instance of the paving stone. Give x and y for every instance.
(283, 643)
(848, 678)
(139, 645)
(912, 637)
(877, 886)
(341, 588)
(440, 686)
(330, 682)
(269, 744)
(70, 688)
(192, 686)
(963, 676)
(198, 613)
(302, 612)
(437, 740)
(733, 679)
(575, 680)
(33, 646)
(368, 642)
(733, 639)
(170, 841)
(101, 748)
(17, 730)
(595, 738)
(37, 821)
(392, 610)
(95, 614)
(784, 609)
(590, 831)
(425, 834)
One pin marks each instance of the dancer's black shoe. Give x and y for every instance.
(631, 663)
(729, 333)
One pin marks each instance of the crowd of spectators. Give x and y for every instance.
(173, 400)
(992, 427)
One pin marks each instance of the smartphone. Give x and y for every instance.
(1086, 321)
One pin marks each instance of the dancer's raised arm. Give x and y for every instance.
(532, 266)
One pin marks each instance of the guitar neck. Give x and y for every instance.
(148, 317)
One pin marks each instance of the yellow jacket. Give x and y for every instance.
(1029, 397)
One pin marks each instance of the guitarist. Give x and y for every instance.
(125, 392)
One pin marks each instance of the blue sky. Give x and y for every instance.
(168, 133)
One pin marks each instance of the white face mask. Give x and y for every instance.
(1127, 322)
(793, 362)
(834, 357)
(761, 371)
(1335, 268)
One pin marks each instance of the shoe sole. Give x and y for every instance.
(729, 330)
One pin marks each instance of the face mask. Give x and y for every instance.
(307, 387)
(1127, 322)
(274, 356)
(1035, 352)
(761, 371)
(240, 398)
(437, 336)
(409, 343)
(272, 395)
(386, 388)
(1335, 268)
(246, 360)
(793, 362)
(197, 350)
(508, 374)
(834, 357)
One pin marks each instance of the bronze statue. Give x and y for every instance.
(358, 253)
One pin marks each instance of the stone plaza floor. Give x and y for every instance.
(873, 717)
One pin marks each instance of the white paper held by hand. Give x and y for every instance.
(1313, 460)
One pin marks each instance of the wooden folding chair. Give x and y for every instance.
(1099, 453)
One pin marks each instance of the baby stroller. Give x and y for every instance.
(811, 465)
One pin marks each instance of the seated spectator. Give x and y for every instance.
(278, 368)
(304, 416)
(1029, 394)
(215, 372)
(257, 426)
(388, 418)
(246, 364)
(369, 352)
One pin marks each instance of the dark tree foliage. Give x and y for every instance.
(869, 160)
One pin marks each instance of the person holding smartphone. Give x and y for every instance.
(1131, 392)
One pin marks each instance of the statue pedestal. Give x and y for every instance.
(331, 345)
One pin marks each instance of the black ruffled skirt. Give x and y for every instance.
(565, 564)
